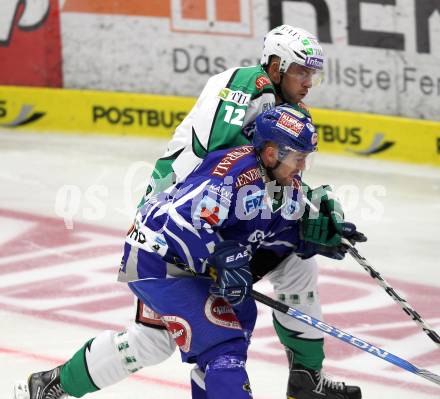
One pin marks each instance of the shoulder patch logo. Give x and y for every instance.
(262, 81)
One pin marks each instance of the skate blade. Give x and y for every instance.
(21, 390)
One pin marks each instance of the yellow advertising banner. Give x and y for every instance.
(378, 136)
(84, 111)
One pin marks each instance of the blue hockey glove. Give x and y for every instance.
(309, 249)
(349, 231)
(234, 278)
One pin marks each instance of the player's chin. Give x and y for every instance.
(297, 98)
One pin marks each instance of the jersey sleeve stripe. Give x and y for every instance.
(264, 91)
(231, 79)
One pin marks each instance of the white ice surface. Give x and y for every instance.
(107, 174)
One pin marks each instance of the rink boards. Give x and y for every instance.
(83, 111)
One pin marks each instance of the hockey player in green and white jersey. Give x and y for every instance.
(291, 64)
(231, 100)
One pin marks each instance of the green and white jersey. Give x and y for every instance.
(228, 102)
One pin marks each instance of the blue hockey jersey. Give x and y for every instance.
(225, 198)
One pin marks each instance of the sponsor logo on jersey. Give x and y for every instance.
(136, 235)
(290, 208)
(211, 211)
(223, 193)
(311, 127)
(290, 124)
(180, 330)
(253, 202)
(262, 81)
(221, 313)
(248, 177)
(159, 243)
(141, 236)
(229, 160)
(210, 215)
(236, 97)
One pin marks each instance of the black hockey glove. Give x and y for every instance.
(234, 278)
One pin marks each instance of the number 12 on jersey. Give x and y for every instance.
(234, 116)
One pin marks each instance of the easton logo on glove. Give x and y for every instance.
(237, 256)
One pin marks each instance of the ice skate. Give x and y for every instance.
(313, 384)
(42, 385)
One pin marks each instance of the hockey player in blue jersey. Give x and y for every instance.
(237, 202)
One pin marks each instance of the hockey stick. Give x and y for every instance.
(346, 337)
(392, 293)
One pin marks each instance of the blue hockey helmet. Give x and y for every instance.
(288, 128)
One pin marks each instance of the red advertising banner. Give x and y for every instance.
(30, 43)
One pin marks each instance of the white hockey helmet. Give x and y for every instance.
(294, 45)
